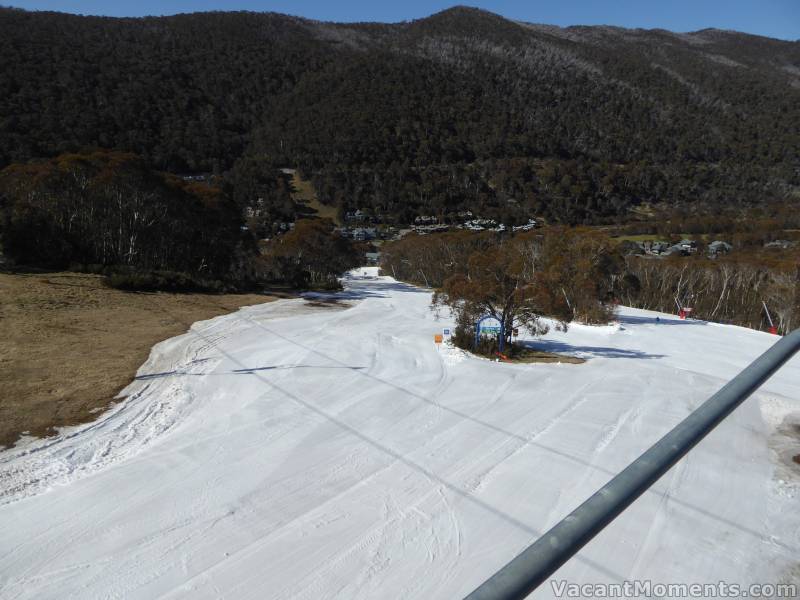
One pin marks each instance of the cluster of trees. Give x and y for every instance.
(500, 282)
(579, 274)
(108, 211)
(568, 274)
(402, 191)
(462, 110)
(430, 259)
(263, 193)
(312, 254)
(507, 190)
(743, 227)
(727, 290)
(109, 208)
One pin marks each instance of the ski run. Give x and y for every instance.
(325, 447)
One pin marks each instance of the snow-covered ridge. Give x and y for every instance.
(307, 449)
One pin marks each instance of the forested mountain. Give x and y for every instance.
(461, 110)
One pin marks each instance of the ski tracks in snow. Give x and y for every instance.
(154, 403)
(308, 452)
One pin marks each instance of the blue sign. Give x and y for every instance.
(489, 325)
(446, 332)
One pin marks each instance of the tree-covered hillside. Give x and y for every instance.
(462, 110)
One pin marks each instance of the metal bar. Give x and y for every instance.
(541, 559)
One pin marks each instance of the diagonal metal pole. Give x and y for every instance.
(769, 317)
(541, 559)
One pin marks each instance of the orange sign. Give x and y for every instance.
(437, 339)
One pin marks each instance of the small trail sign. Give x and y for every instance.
(437, 339)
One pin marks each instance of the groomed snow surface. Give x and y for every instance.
(309, 449)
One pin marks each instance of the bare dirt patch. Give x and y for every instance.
(70, 344)
(785, 442)
(322, 302)
(529, 355)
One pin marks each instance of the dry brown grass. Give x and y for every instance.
(70, 344)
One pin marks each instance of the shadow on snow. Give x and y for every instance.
(636, 320)
(586, 351)
(364, 287)
(239, 371)
(455, 488)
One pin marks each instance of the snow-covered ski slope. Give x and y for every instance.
(301, 450)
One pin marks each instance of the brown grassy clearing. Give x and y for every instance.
(70, 344)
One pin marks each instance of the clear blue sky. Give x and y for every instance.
(774, 18)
